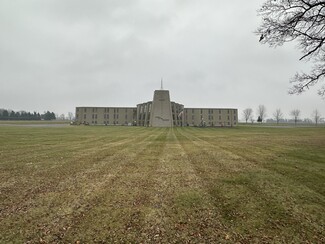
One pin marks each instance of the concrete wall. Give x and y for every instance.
(161, 111)
(144, 113)
(106, 115)
(210, 117)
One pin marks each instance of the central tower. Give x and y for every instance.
(161, 111)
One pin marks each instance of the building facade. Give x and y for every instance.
(106, 115)
(160, 112)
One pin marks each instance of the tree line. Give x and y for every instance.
(23, 115)
(277, 115)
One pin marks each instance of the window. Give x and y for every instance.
(228, 117)
(85, 110)
(219, 111)
(84, 116)
(77, 109)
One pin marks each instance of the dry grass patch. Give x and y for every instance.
(159, 185)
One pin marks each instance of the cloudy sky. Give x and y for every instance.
(59, 54)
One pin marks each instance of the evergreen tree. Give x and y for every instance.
(5, 114)
(259, 119)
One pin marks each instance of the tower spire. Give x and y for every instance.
(161, 84)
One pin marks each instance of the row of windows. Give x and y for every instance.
(142, 116)
(212, 124)
(144, 108)
(106, 116)
(210, 111)
(106, 122)
(210, 117)
(126, 122)
(106, 110)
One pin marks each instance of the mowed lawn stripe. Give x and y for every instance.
(102, 184)
(48, 186)
(122, 204)
(256, 198)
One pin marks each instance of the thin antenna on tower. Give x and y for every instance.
(161, 84)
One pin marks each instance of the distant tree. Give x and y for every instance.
(295, 115)
(316, 116)
(278, 115)
(12, 115)
(70, 116)
(261, 112)
(48, 116)
(247, 113)
(302, 21)
(259, 119)
(62, 117)
(23, 115)
(5, 114)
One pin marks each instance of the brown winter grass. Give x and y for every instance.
(158, 185)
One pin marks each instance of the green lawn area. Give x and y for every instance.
(104, 184)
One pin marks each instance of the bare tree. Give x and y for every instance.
(247, 113)
(316, 116)
(70, 116)
(302, 21)
(278, 115)
(261, 112)
(62, 117)
(295, 114)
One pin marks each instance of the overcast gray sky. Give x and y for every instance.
(59, 54)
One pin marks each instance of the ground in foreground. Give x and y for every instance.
(131, 184)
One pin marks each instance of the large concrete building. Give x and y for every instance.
(160, 112)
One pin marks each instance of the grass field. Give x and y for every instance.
(86, 184)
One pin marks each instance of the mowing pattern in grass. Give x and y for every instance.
(153, 185)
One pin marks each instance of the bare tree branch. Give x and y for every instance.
(302, 21)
